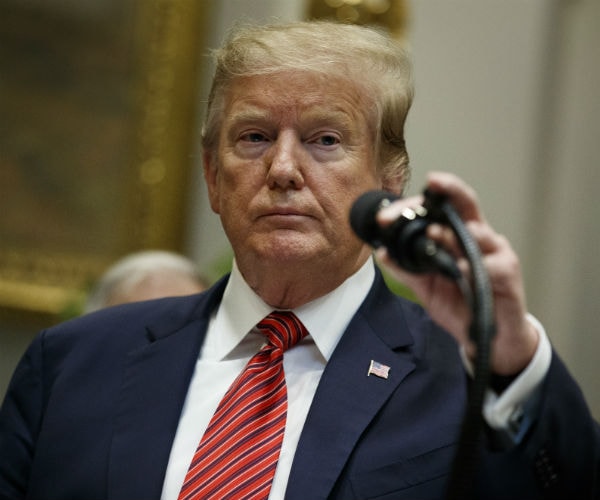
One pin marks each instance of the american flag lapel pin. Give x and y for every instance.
(379, 370)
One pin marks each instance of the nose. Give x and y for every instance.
(284, 162)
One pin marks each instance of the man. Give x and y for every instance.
(145, 275)
(302, 119)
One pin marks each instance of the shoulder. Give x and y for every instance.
(126, 319)
(128, 326)
(401, 321)
(394, 308)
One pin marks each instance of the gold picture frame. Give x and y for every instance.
(99, 104)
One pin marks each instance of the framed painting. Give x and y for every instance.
(98, 101)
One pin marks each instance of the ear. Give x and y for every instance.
(209, 162)
(395, 184)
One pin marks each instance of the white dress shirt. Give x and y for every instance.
(232, 339)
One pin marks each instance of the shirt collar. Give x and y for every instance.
(326, 318)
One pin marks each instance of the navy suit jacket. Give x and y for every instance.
(92, 410)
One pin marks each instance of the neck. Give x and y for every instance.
(291, 286)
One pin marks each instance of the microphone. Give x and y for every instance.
(405, 238)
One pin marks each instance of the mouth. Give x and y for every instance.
(285, 212)
(285, 215)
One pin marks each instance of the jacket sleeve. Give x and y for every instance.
(560, 455)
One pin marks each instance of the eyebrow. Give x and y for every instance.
(247, 114)
(337, 117)
(312, 116)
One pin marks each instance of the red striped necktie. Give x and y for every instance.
(237, 456)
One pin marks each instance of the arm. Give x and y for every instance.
(554, 443)
(559, 455)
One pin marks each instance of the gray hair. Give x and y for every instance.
(131, 270)
(368, 58)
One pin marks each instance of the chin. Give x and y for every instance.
(290, 250)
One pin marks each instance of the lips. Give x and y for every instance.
(284, 211)
(284, 214)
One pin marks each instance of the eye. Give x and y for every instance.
(253, 137)
(326, 140)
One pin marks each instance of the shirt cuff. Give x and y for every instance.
(506, 411)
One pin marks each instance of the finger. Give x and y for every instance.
(462, 196)
(445, 237)
(393, 211)
(504, 270)
(488, 240)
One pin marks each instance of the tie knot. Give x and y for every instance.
(283, 329)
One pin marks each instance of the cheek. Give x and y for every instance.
(336, 204)
(346, 187)
(212, 188)
(236, 193)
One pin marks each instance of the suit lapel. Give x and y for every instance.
(347, 398)
(155, 384)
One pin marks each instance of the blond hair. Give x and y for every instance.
(366, 57)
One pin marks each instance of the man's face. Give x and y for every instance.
(295, 151)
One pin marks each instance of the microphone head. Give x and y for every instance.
(364, 211)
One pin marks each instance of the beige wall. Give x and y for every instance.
(508, 95)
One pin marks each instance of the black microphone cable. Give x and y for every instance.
(481, 331)
(407, 244)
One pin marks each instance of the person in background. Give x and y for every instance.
(145, 275)
(299, 375)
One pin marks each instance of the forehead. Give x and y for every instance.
(295, 95)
